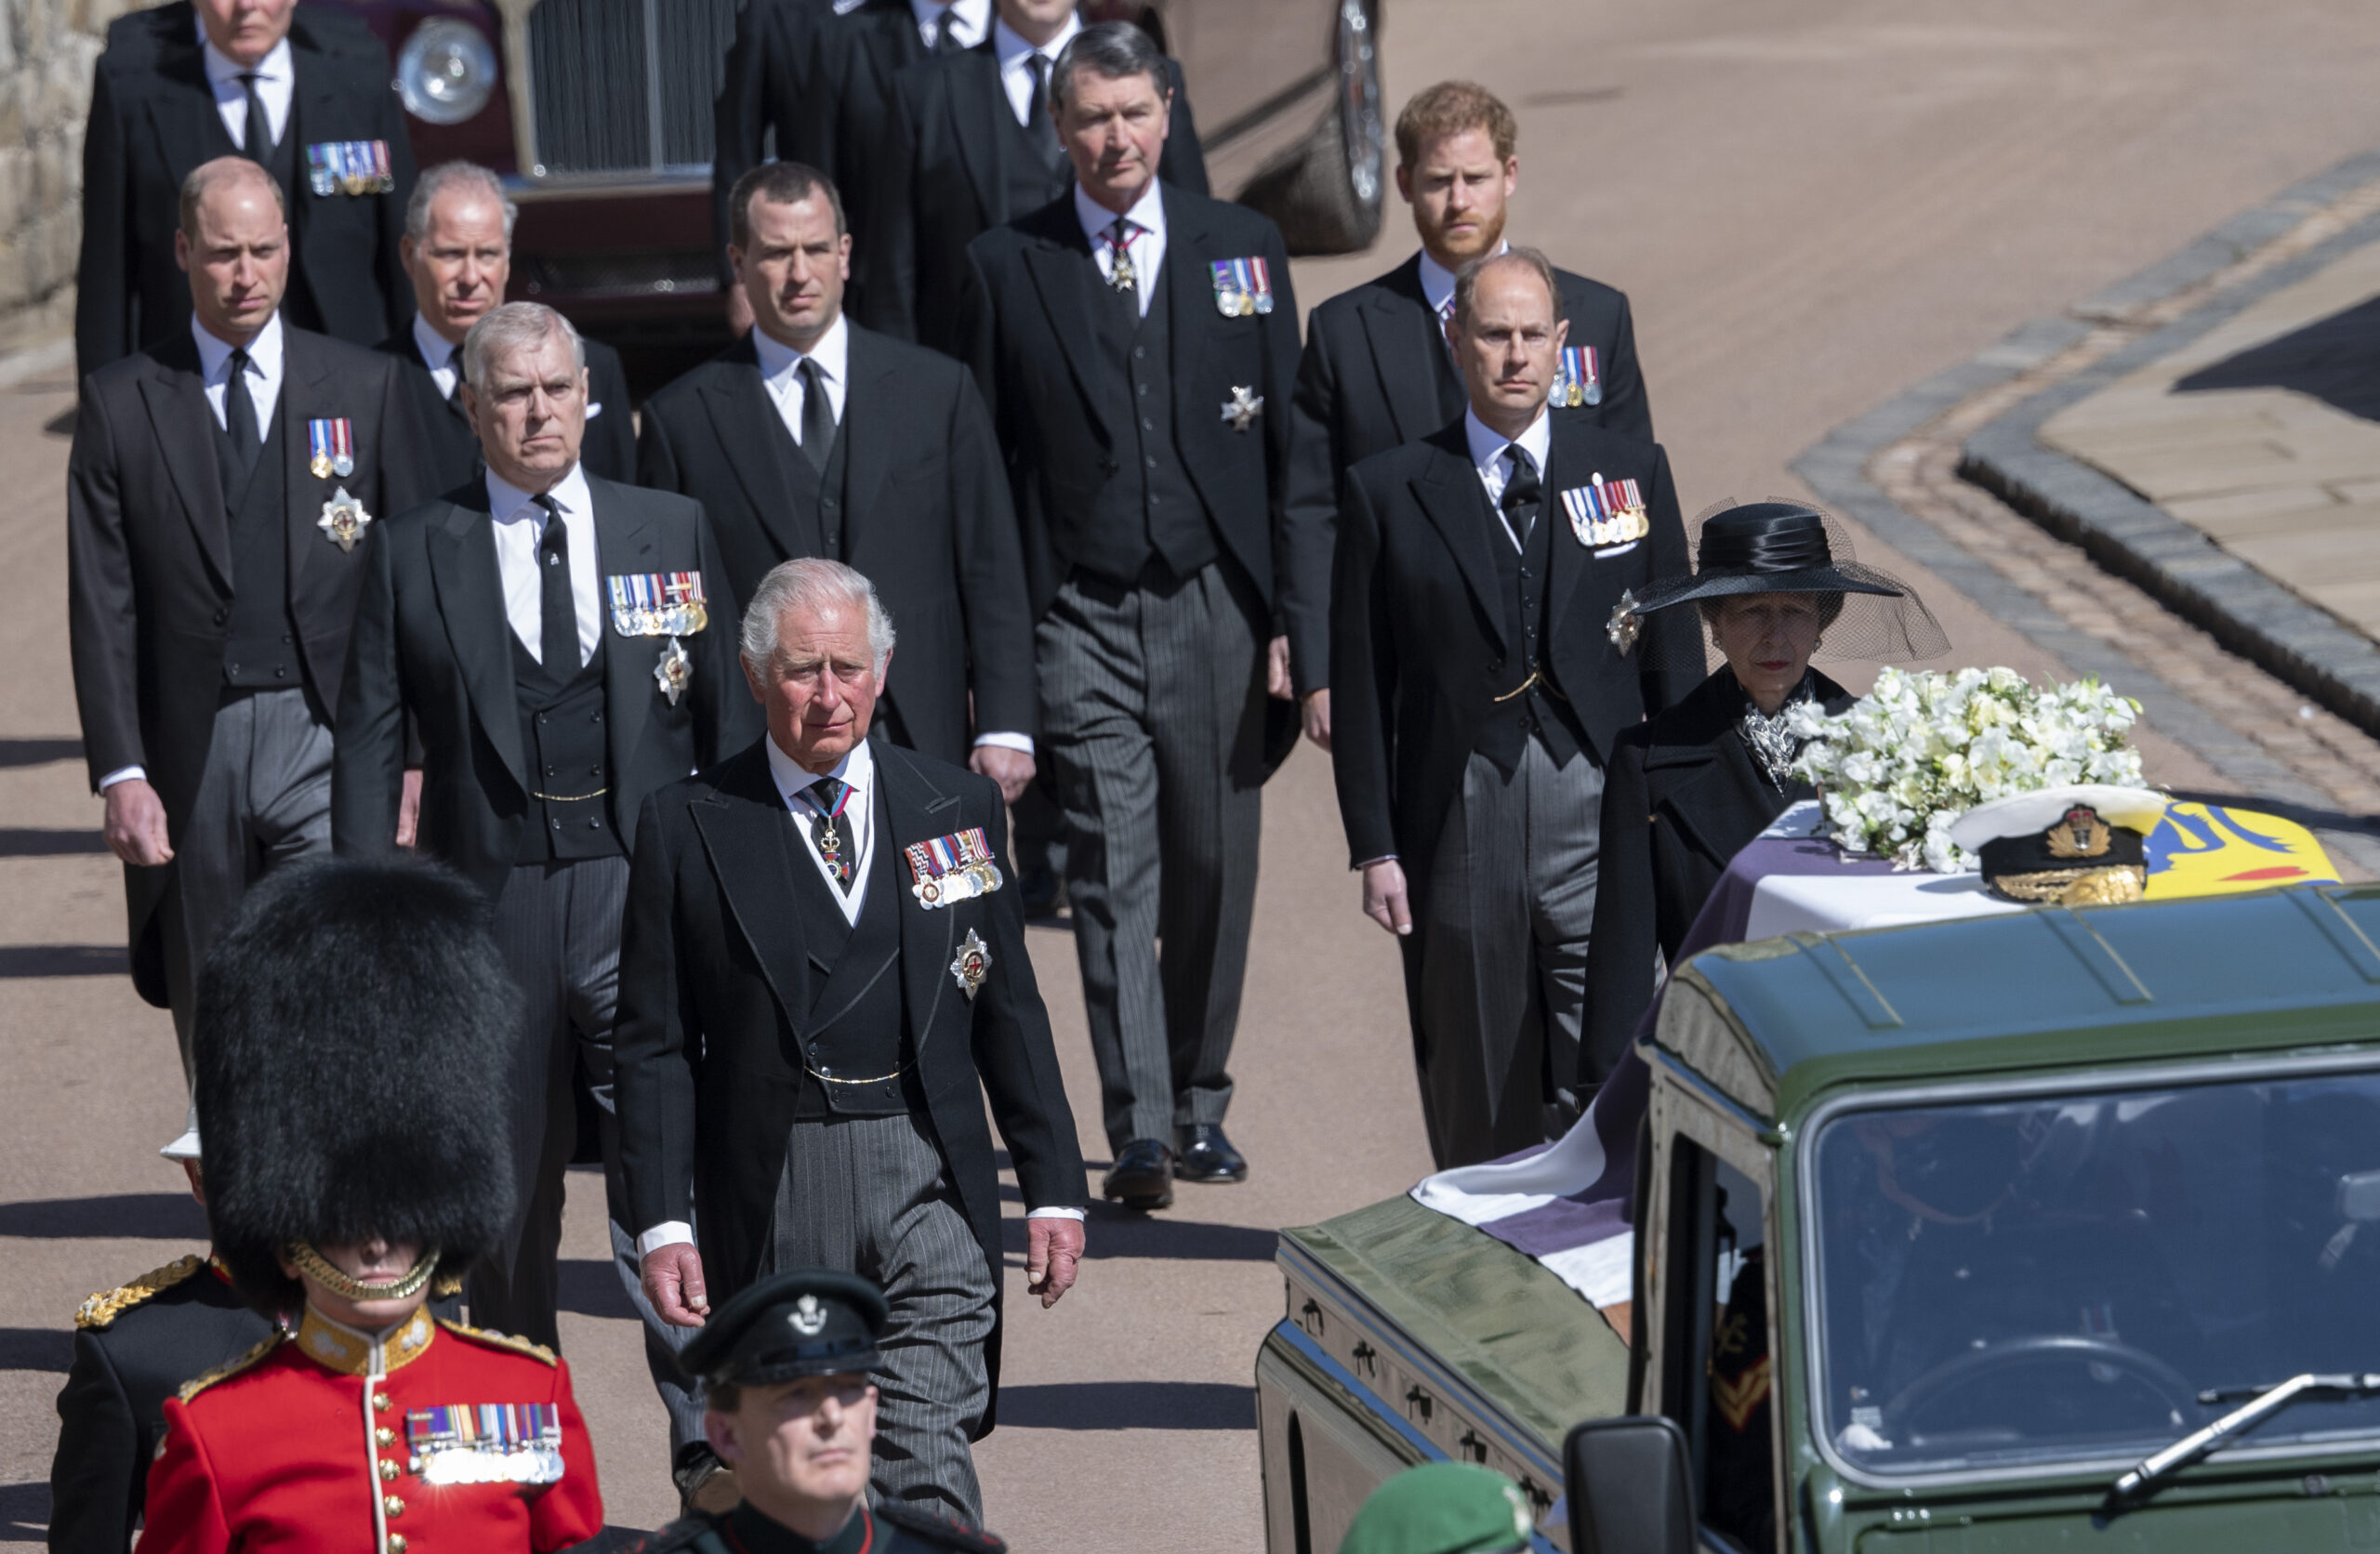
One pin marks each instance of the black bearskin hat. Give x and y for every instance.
(353, 1055)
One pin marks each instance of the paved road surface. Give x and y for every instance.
(1813, 204)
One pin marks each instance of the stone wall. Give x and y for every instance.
(46, 48)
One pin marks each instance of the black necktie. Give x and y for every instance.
(827, 797)
(1523, 493)
(260, 146)
(946, 39)
(239, 418)
(817, 415)
(557, 602)
(1038, 126)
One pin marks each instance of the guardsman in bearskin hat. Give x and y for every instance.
(354, 1028)
(784, 1366)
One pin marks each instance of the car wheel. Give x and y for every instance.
(1326, 193)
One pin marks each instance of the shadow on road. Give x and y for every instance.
(1114, 1232)
(136, 1216)
(20, 961)
(2331, 358)
(23, 841)
(36, 1348)
(24, 1513)
(1129, 1405)
(38, 751)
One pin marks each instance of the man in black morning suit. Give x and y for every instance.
(563, 646)
(813, 437)
(1376, 373)
(457, 252)
(276, 82)
(212, 569)
(1136, 342)
(1480, 697)
(967, 145)
(764, 108)
(824, 982)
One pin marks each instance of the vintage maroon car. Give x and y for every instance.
(599, 112)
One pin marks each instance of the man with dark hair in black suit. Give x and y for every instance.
(218, 489)
(303, 93)
(457, 252)
(565, 646)
(1376, 373)
(765, 109)
(813, 437)
(1483, 692)
(1138, 344)
(967, 143)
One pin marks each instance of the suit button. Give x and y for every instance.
(557, 825)
(594, 825)
(543, 719)
(1146, 425)
(550, 771)
(1145, 388)
(594, 771)
(230, 668)
(828, 504)
(1138, 352)
(1152, 461)
(1495, 663)
(287, 638)
(281, 674)
(222, 615)
(597, 718)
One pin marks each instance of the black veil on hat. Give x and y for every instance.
(1780, 546)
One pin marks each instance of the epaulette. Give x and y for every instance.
(939, 1528)
(271, 1341)
(108, 1305)
(501, 1340)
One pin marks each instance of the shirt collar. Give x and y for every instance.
(832, 353)
(214, 354)
(857, 767)
(1488, 447)
(436, 350)
(337, 1347)
(1148, 212)
(974, 13)
(1011, 46)
(506, 501)
(223, 70)
(1438, 280)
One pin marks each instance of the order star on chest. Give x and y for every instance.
(1241, 410)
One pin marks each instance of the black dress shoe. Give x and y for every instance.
(1206, 1155)
(1143, 1176)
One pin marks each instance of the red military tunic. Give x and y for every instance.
(331, 1443)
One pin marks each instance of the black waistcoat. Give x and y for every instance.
(1148, 508)
(815, 498)
(856, 1027)
(1031, 182)
(260, 641)
(1544, 710)
(564, 739)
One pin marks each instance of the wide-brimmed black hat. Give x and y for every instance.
(1790, 548)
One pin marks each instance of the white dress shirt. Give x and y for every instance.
(780, 365)
(264, 392)
(443, 358)
(276, 83)
(520, 525)
(1016, 66)
(1146, 245)
(1487, 452)
(964, 20)
(858, 769)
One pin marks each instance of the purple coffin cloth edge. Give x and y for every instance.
(1601, 1210)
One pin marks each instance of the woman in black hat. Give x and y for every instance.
(1774, 583)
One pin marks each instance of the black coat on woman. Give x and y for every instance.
(1681, 797)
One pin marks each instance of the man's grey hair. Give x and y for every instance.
(462, 177)
(1466, 280)
(514, 326)
(812, 583)
(1112, 49)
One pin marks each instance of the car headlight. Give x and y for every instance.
(447, 71)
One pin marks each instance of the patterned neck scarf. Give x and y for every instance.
(1772, 744)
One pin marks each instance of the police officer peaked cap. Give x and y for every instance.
(810, 1323)
(352, 1070)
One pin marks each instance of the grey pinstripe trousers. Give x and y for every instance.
(1504, 951)
(1153, 712)
(870, 1195)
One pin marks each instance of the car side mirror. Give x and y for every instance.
(1629, 1486)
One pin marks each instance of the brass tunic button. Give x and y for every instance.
(388, 1469)
(393, 1505)
(383, 1436)
(396, 1542)
(380, 1401)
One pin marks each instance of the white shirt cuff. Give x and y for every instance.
(123, 774)
(1074, 1214)
(1007, 740)
(670, 1232)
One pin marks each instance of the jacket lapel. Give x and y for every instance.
(975, 101)
(738, 405)
(918, 811)
(189, 128)
(313, 109)
(1060, 274)
(176, 398)
(470, 600)
(1188, 291)
(870, 410)
(1405, 343)
(302, 378)
(1449, 491)
(747, 832)
(624, 542)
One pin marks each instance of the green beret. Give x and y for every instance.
(1442, 1507)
